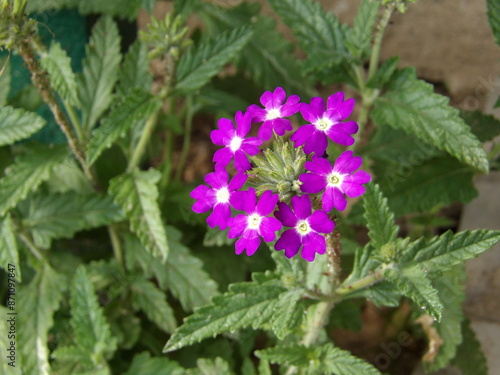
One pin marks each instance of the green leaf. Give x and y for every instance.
(124, 9)
(27, 173)
(53, 216)
(211, 367)
(17, 124)
(469, 358)
(494, 18)
(290, 314)
(137, 194)
(438, 181)
(380, 220)
(5, 79)
(384, 73)
(413, 283)
(62, 79)
(92, 333)
(316, 30)
(153, 302)
(68, 176)
(199, 64)
(134, 71)
(185, 276)
(5, 343)
(249, 304)
(485, 127)
(325, 359)
(9, 254)
(264, 368)
(359, 38)
(441, 253)
(36, 304)
(100, 71)
(412, 105)
(144, 364)
(134, 107)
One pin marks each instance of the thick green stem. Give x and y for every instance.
(377, 41)
(74, 119)
(31, 246)
(365, 282)
(117, 247)
(143, 141)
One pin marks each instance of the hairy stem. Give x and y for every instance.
(362, 283)
(143, 141)
(377, 40)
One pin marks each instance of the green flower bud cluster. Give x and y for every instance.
(278, 169)
(165, 37)
(15, 27)
(401, 5)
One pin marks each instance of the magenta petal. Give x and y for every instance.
(291, 106)
(256, 113)
(237, 182)
(219, 216)
(265, 131)
(267, 203)
(313, 243)
(237, 225)
(353, 190)
(249, 244)
(345, 109)
(243, 200)
(268, 228)
(302, 134)
(346, 163)
(199, 192)
(217, 179)
(241, 163)
(317, 143)
(290, 242)
(243, 123)
(312, 183)
(339, 137)
(333, 198)
(219, 138)
(335, 99)
(349, 127)
(222, 157)
(285, 215)
(319, 166)
(317, 106)
(320, 222)
(251, 145)
(302, 206)
(281, 126)
(360, 177)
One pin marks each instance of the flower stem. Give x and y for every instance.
(117, 247)
(377, 41)
(362, 283)
(143, 141)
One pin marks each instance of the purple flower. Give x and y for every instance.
(305, 228)
(237, 145)
(219, 197)
(273, 112)
(255, 223)
(325, 123)
(336, 181)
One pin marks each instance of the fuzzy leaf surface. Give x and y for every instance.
(133, 108)
(325, 359)
(290, 314)
(413, 283)
(100, 71)
(411, 104)
(144, 364)
(210, 367)
(153, 302)
(62, 78)
(470, 359)
(494, 18)
(36, 304)
(53, 216)
(200, 63)
(248, 304)
(134, 71)
(380, 220)
(484, 126)
(17, 124)
(359, 37)
(5, 344)
(441, 253)
(137, 194)
(27, 173)
(9, 254)
(5, 79)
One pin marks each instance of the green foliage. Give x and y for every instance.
(209, 367)
(8, 246)
(100, 71)
(27, 173)
(136, 193)
(494, 18)
(325, 359)
(133, 108)
(380, 221)
(17, 124)
(411, 105)
(93, 342)
(144, 364)
(358, 38)
(205, 60)
(5, 79)
(134, 70)
(61, 215)
(36, 304)
(469, 357)
(62, 79)
(153, 302)
(485, 127)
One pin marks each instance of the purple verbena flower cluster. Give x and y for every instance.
(299, 187)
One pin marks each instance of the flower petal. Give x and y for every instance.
(217, 179)
(265, 131)
(313, 243)
(319, 166)
(219, 216)
(237, 182)
(222, 157)
(312, 183)
(333, 197)
(302, 134)
(317, 143)
(268, 228)
(241, 162)
(320, 222)
(237, 225)
(302, 206)
(267, 203)
(334, 100)
(285, 215)
(243, 123)
(289, 241)
(346, 163)
(249, 244)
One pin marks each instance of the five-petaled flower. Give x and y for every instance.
(305, 228)
(236, 145)
(336, 181)
(274, 112)
(255, 223)
(323, 123)
(218, 196)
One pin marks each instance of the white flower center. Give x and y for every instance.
(334, 179)
(273, 113)
(254, 221)
(235, 144)
(302, 227)
(323, 124)
(222, 195)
